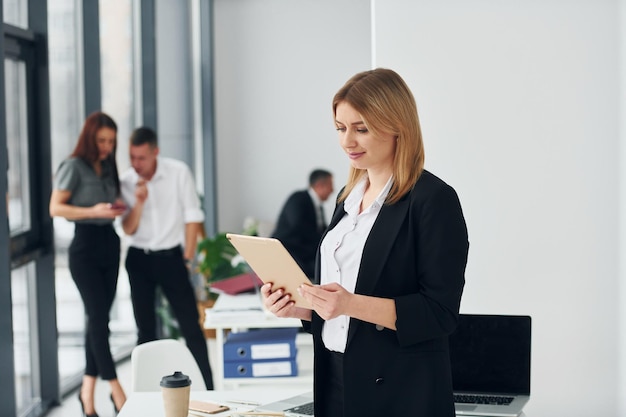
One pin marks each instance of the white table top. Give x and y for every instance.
(151, 403)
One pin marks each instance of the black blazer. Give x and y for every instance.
(297, 230)
(416, 254)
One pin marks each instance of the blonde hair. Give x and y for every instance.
(386, 105)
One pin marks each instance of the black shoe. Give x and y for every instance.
(116, 411)
(82, 407)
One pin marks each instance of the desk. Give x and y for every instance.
(151, 403)
(246, 312)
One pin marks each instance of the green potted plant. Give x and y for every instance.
(218, 259)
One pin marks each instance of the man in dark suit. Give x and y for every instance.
(301, 221)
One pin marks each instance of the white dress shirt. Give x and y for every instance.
(341, 252)
(172, 202)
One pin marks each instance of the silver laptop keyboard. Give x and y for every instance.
(305, 409)
(482, 399)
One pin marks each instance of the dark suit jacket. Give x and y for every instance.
(416, 254)
(297, 230)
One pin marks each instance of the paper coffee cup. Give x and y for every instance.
(175, 390)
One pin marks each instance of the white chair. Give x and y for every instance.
(151, 361)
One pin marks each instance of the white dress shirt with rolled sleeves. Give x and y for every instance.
(172, 202)
(341, 252)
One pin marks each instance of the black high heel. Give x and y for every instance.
(82, 407)
(114, 406)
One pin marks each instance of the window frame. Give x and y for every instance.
(35, 245)
(26, 246)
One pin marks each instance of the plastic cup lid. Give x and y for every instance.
(176, 380)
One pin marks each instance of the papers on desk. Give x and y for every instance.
(234, 308)
(227, 302)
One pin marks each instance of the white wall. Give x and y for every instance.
(277, 65)
(621, 365)
(519, 106)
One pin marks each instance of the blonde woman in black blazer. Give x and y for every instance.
(391, 266)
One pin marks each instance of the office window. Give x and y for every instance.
(66, 89)
(18, 64)
(116, 69)
(67, 92)
(16, 12)
(118, 100)
(17, 146)
(29, 307)
(24, 334)
(66, 118)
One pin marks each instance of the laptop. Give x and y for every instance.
(296, 406)
(490, 357)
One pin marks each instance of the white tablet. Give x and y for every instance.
(269, 259)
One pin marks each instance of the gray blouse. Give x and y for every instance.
(87, 188)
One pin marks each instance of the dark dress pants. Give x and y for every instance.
(334, 407)
(94, 261)
(167, 270)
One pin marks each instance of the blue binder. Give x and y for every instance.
(261, 368)
(262, 344)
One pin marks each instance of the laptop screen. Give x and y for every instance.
(491, 354)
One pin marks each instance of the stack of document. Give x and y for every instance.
(261, 353)
(235, 308)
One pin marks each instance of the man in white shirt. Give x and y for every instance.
(162, 224)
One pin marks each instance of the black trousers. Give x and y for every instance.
(334, 407)
(94, 261)
(167, 270)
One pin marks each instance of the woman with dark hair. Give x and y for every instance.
(87, 192)
(391, 266)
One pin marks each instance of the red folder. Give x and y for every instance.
(237, 284)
